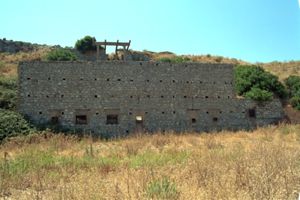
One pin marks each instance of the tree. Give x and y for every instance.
(61, 55)
(249, 77)
(86, 44)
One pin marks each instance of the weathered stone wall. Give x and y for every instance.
(179, 97)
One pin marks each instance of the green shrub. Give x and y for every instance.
(248, 77)
(258, 94)
(295, 102)
(61, 55)
(12, 124)
(86, 44)
(177, 59)
(293, 85)
(8, 93)
(162, 189)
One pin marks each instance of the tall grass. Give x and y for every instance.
(263, 164)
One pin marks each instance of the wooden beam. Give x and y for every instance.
(113, 43)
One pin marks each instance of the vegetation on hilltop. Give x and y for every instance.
(61, 55)
(86, 44)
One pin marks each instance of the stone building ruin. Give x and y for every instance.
(120, 97)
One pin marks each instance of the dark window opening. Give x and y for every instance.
(62, 113)
(147, 80)
(54, 120)
(162, 112)
(112, 119)
(97, 113)
(141, 63)
(174, 81)
(185, 97)
(49, 78)
(81, 119)
(201, 82)
(162, 96)
(174, 112)
(215, 119)
(252, 113)
(228, 97)
(207, 112)
(62, 96)
(96, 96)
(40, 113)
(127, 131)
(148, 96)
(187, 82)
(95, 79)
(193, 120)
(219, 97)
(160, 80)
(47, 96)
(107, 79)
(131, 80)
(146, 112)
(206, 97)
(220, 112)
(156, 64)
(173, 97)
(119, 79)
(131, 97)
(81, 79)
(28, 78)
(130, 113)
(63, 79)
(28, 95)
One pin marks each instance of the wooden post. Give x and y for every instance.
(98, 53)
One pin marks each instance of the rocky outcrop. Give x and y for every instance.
(11, 46)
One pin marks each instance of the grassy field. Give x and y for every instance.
(263, 164)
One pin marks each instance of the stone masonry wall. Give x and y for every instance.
(163, 96)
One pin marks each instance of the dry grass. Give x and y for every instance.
(9, 62)
(283, 69)
(264, 164)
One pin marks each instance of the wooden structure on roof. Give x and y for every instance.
(118, 44)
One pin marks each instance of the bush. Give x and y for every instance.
(177, 59)
(293, 85)
(295, 102)
(61, 55)
(248, 77)
(258, 94)
(86, 44)
(12, 124)
(162, 189)
(8, 93)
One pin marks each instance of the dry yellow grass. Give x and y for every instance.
(9, 62)
(263, 164)
(283, 69)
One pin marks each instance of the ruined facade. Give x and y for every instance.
(119, 97)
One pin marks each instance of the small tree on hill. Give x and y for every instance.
(86, 44)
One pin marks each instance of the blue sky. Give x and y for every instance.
(252, 30)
